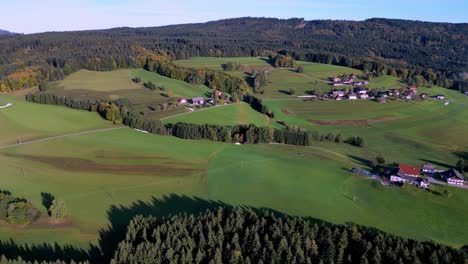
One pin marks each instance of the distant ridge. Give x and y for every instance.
(5, 32)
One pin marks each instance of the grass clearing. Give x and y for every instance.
(305, 181)
(223, 115)
(118, 84)
(27, 121)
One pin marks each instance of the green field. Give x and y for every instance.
(216, 63)
(223, 115)
(129, 169)
(315, 76)
(27, 121)
(180, 88)
(95, 171)
(408, 132)
(118, 84)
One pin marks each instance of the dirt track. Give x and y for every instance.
(61, 136)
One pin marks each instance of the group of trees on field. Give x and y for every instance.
(282, 60)
(17, 211)
(242, 236)
(232, 66)
(249, 134)
(216, 80)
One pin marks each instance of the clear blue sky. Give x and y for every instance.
(30, 16)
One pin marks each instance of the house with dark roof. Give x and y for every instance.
(197, 100)
(453, 177)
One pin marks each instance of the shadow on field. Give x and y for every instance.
(362, 161)
(47, 199)
(461, 154)
(119, 217)
(440, 164)
(44, 252)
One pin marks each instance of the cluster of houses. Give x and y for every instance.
(365, 93)
(347, 80)
(414, 175)
(417, 176)
(200, 101)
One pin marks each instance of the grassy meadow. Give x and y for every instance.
(108, 174)
(26, 121)
(96, 171)
(281, 80)
(118, 84)
(231, 114)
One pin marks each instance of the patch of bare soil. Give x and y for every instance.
(353, 122)
(23, 92)
(131, 157)
(84, 165)
(44, 222)
(286, 111)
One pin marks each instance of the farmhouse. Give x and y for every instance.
(364, 96)
(453, 177)
(439, 97)
(408, 174)
(352, 96)
(409, 171)
(197, 100)
(182, 101)
(338, 93)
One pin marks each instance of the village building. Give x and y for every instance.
(352, 96)
(338, 93)
(408, 174)
(395, 91)
(439, 97)
(407, 170)
(430, 168)
(182, 101)
(422, 183)
(453, 177)
(197, 100)
(364, 96)
(217, 93)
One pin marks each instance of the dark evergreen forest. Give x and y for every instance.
(408, 49)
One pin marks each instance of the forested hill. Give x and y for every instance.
(4, 32)
(410, 48)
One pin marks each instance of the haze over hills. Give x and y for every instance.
(5, 32)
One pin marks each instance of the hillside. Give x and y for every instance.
(4, 32)
(410, 48)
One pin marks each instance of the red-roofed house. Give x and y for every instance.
(407, 170)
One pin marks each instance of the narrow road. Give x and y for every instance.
(203, 109)
(61, 136)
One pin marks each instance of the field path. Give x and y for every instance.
(203, 109)
(61, 136)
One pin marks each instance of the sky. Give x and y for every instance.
(32, 16)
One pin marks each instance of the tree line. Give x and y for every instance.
(233, 235)
(214, 79)
(121, 111)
